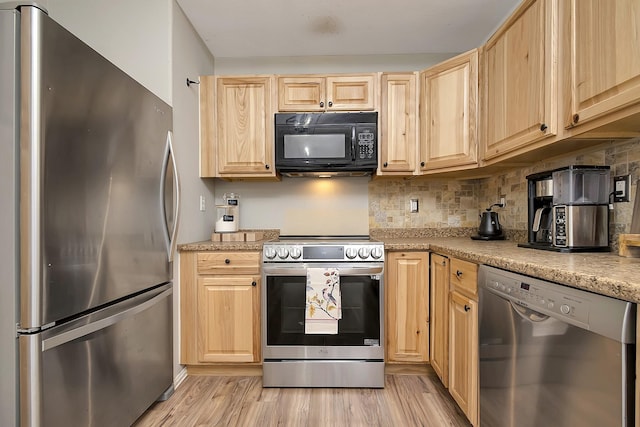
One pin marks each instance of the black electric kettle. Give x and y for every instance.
(489, 224)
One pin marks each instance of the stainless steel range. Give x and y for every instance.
(322, 312)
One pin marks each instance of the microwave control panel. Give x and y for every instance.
(366, 143)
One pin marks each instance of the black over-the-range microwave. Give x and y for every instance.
(336, 143)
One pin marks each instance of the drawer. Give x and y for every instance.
(463, 275)
(228, 263)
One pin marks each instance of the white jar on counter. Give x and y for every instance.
(226, 218)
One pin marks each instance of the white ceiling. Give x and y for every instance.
(258, 28)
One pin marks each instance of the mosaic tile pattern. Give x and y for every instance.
(451, 203)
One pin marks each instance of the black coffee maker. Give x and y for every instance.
(489, 228)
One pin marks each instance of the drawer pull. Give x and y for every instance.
(227, 261)
(254, 283)
(458, 273)
(466, 308)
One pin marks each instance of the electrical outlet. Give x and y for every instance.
(503, 200)
(202, 204)
(621, 186)
(413, 205)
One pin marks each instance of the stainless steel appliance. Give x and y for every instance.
(551, 355)
(88, 224)
(352, 357)
(568, 209)
(326, 143)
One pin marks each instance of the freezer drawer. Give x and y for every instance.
(104, 369)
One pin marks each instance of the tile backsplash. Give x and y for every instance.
(458, 203)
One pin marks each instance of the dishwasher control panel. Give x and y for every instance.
(536, 296)
(602, 314)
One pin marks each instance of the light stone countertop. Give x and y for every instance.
(602, 273)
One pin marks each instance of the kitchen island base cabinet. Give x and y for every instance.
(407, 307)
(220, 307)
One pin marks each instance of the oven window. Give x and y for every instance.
(314, 146)
(360, 323)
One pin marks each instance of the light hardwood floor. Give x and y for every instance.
(406, 400)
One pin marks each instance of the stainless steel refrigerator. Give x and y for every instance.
(88, 218)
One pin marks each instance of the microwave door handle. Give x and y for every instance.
(353, 143)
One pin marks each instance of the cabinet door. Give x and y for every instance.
(244, 136)
(604, 58)
(439, 317)
(463, 354)
(351, 93)
(398, 123)
(228, 319)
(301, 93)
(520, 81)
(448, 109)
(407, 307)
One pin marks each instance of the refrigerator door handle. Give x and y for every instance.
(90, 328)
(170, 188)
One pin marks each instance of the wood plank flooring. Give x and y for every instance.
(406, 400)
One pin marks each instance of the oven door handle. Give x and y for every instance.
(302, 271)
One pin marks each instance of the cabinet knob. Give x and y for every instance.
(322, 104)
(266, 166)
(227, 261)
(385, 164)
(330, 104)
(444, 263)
(254, 283)
(576, 118)
(466, 307)
(458, 273)
(422, 164)
(543, 127)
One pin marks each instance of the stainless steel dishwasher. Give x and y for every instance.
(551, 355)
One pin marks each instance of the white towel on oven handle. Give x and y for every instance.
(323, 306)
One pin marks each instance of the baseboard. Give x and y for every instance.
(406, 368)
(226, 370)
(182, 375)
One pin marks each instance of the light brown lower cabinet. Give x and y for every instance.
(219, 307)
(407, 307)
(463, 337)
(439, 317)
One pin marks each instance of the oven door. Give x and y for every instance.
(360, 330)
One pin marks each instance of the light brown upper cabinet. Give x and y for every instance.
(602, 62)
(236, 122)
(398, 127)
(519, 81)
(339, 92)
(448, 114)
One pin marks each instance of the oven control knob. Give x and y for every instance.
(270, 253)
(283, 253)
(295, 252)
(351, 252)
(565, 309)
(363, 252)
(376, 252)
